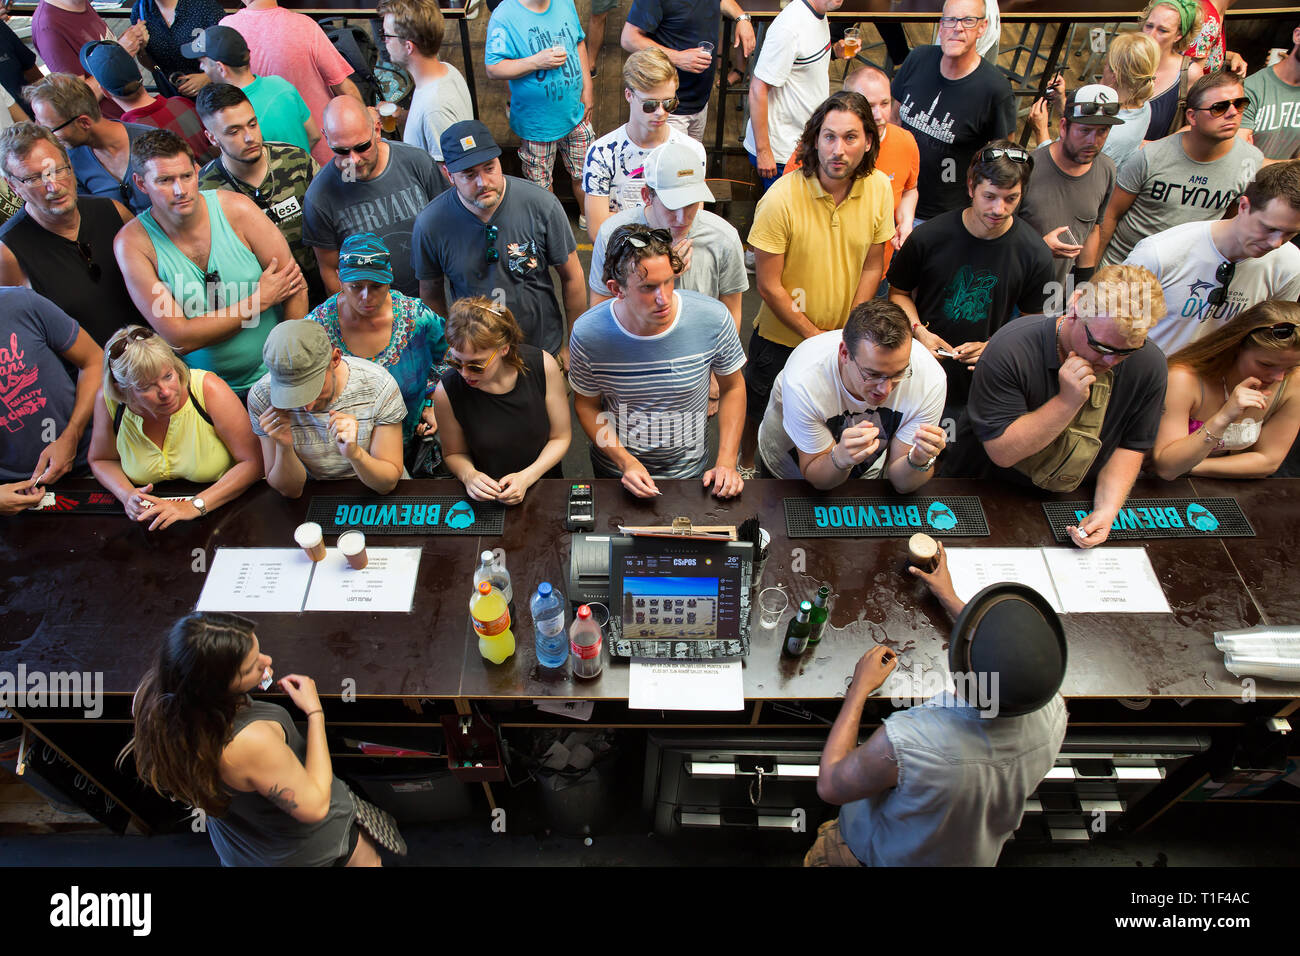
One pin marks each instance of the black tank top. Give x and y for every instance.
(505, 433)
(58, 270)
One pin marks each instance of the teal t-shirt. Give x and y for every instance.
(1273, 114)
(545, 105)
(280, 110)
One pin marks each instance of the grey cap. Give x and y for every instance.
(297, 353)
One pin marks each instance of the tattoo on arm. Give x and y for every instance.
(282, 798)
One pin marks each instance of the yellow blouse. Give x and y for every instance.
(191, 449)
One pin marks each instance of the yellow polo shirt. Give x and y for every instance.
(825, 245)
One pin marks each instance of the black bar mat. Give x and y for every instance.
(432, 515)
(953, 516)
(1147, 518)
(78, 503)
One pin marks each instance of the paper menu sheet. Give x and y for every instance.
(685, 685)
(1073, 581)
(256, 579)
(386, 583)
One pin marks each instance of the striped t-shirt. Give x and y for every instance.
(654, 389)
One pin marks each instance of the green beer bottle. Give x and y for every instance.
(796, 635)
(820, 612)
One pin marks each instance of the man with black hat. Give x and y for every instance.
(281, 111)
(1071, 183)
(119, 76)
(322, 414)
(945, 783)
(498, 236)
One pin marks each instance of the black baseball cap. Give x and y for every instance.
(467, 144)
(223, 44)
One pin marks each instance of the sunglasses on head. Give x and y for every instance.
(474, 368)
(359, 260)
(1221, 107)
(135, 335)
(1282, 331)
(360, 149)
(640, 238)
(649, 106)
(1092, 109)
(1014, 153)
(1103, 349)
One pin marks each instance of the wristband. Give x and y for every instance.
(1209, 438)
(916, 325)
(836, 464)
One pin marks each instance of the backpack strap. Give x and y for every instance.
(1180, 112)
(194, 400)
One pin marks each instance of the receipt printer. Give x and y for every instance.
(589, 568)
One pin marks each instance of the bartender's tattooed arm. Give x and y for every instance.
(282, 798)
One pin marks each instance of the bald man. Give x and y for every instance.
(372, 185)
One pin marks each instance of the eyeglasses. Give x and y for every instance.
(358, 260)
(1092, 109)
(1102, 348)
(360, 149)
(135, 335)
(1222, 275)
(58, 172)
(1221, 107)
(875, 378)
(1282, 331)
(1014, 153)
(474, 368)
(91, 264)
(649, 106)
(66, 122)
(390, 36)
(493, 255)
(951, 23)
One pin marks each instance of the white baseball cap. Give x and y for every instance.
(675, 171)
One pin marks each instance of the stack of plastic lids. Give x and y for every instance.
(1272, 652)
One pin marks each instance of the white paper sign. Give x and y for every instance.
(974, 569)
(685, 685)
(386, 583)
(256, 580)
(1106, 580)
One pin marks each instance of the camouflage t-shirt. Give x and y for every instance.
(289, 172)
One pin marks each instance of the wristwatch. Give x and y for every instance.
(198, 503)
(742, 18)
(929, 463)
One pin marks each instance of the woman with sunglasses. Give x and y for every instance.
(158, 420)
(1231, 407)
(369, 319)
(270, 795)
(503, 408)
(1173, 24)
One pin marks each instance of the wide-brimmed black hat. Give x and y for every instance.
(1010, 630)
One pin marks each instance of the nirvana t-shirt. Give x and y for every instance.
(34, 385)
(386, 205)
(681, 25)
(810, 407)
(1273, 115)
(1172, 189)
(965, 288)
(1185, 260)
(950, 119)
(1054, 198)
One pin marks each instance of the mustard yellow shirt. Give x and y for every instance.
(825, 246)
(191, 450)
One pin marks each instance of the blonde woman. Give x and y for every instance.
(1231, 405)
(1173, 24)
(158, 420)
(1130, 70)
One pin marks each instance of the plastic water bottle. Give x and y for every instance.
(495, 573)
(491, 617)
(586, 644)
(547, 607)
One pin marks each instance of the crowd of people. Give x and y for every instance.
(242, 278)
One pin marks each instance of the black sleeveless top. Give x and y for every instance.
(64, 271)
(505, 433)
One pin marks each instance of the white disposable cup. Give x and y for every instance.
(309, 538)
(352, 545)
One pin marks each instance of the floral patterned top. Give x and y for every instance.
(414, 353)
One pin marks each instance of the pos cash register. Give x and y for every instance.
(669, 597)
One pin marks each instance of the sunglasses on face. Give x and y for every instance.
(493, 254)
(1221, 107)
(474, 368)
(1102, 349)
(135, 335)
(1013, 153)
(360, 149)
(649, 106)
(66, 122)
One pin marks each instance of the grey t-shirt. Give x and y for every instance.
(532, 234)
(1017, 374)
(1273, 114)
(371, 396)
(1054, 199)
(387, 205)
(717, 255)
(1126, 139)
(435, 106)
(654, 390)
(1172, 189)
